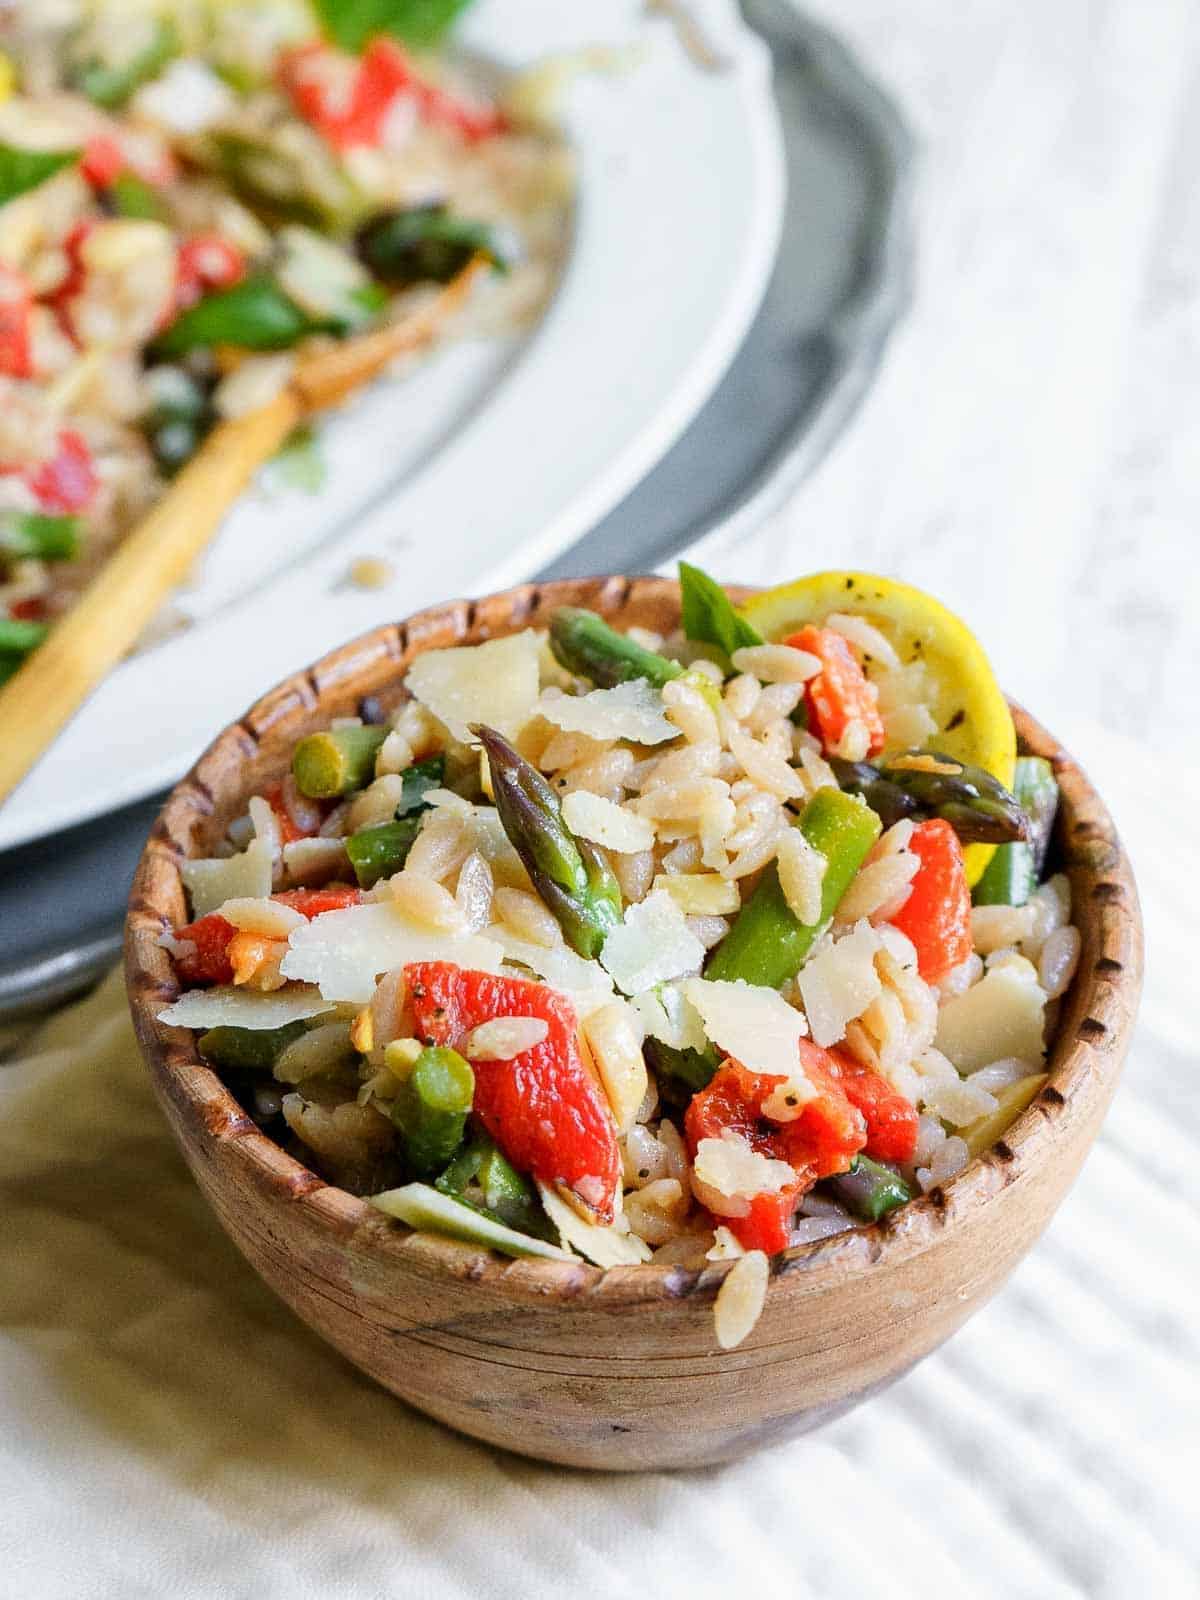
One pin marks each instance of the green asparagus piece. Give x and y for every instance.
(381, 851)
(927, 783)
(1012, 874)
(326, 765)
(693, 1068)
(870, 1189)
(584, 643)
(425, 244)
(571, 875)
(30, 533)
(18, 637)
(766, 944)
(432, 1107)
(709, 616)
(248, 1049)
(482, 1177)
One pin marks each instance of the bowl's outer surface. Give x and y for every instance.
(616, 1369)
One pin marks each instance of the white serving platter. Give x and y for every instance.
(480, 467)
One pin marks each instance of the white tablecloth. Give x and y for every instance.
(168, 1429)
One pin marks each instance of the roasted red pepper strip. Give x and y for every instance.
(891, 1119)
(840, 692)
(821, 1141)
(211, 934)
(353, 113)
(289, 829)
(204, 263)
(937, 914)
(67, 482)
(541, 1108)
(16, 310)
(209, 962)
(103, 160)
(312, 903)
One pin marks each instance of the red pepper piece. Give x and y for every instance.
(891, 1119)
(66, 483)
(821, 1141)
(209, 963)
(312, 903)
(205, 262)
(350, 110)
(840, 692)
(937, 914)
(103, 160)
(541, 1108)
(31, 610)
(289, 829)
(16, 309)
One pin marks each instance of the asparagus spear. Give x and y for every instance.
(766, 944)
(926, 783)
(248, 1049)
(481, 1176)
(585, 644)
(326, 765)
(426, 243)
(870, 1189)
(692, 1068)
(573, 878)
(431, 1108)
(381, 851)
(1013, 872)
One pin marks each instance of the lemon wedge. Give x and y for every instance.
(941, 665)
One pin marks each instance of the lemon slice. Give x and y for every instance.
(942, 665)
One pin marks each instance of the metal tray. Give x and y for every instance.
(841, 281)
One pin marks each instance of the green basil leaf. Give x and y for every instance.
(253, 315)
(21, 170)
(18, 638)
(131, 196)
(351, 23)
(709, 616)
(417, 782)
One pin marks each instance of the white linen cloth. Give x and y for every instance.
(170, 1429)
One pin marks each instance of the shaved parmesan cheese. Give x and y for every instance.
(1001, 1015)
(584, 983)
(651, 945)
(210, 883)
(728, 1172)
(669, 1016)
(424, 1207)
(604, 1247)
(754, 1024)
(495, 682)
(591, 816)
(631, 711)
(243, 1008)
(346, 951)
(187, 97)
(839, 983)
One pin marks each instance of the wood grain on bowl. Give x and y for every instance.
(616, 1369)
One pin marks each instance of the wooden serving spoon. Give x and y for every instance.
(42, 696)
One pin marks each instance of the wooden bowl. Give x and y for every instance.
(616, 1369)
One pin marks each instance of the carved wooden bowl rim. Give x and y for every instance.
(1096, 1018)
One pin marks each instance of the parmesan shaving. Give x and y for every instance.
(631, 711)
(495, 682)
(651, 945)
(344, 952)
(752, 1023)
(242, 1008)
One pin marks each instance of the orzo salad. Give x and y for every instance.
(637, 948)
(191, 193)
